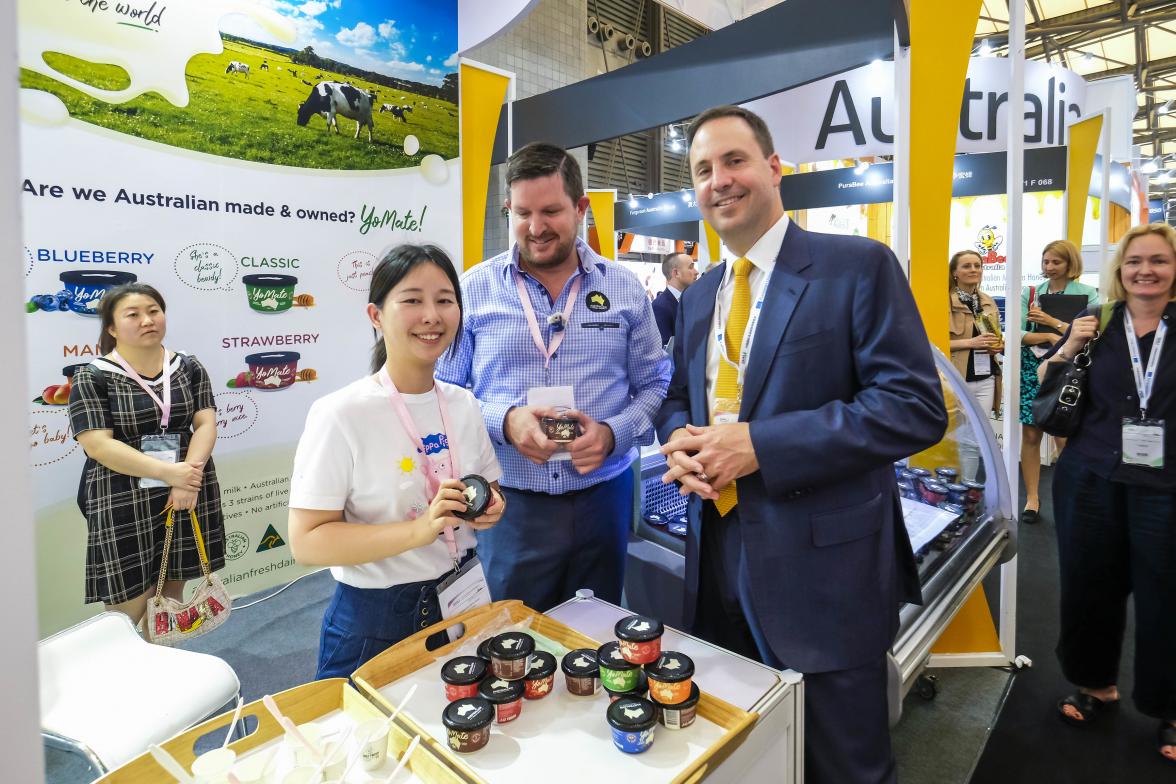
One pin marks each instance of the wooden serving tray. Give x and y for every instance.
(578, 745)
(303, 704)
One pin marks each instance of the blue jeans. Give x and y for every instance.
(361, 623)
(546, 547)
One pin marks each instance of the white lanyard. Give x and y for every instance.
(432, 483)
(753, 320)
(1144, 379)
(533, 322)
(165, 404)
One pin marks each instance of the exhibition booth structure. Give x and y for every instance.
(587, 691)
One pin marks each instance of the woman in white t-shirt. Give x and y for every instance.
(375, 482)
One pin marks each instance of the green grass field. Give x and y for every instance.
(254, 118)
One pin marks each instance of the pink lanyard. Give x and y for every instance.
(432, 483)
(536, 335)
(165, 404)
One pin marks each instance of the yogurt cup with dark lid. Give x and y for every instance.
(656, 518)
(680, 716)
(506, 697)
(540, 676)
(467, 723)
(670, 677)
(484, 649)
(616, 672)
(462, 676)
(632, 720)
(478, 495)
(581, 672)
(640, 638)
(510, 654)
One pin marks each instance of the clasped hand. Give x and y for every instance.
(185, 480)
(588, 450)
(704, 460)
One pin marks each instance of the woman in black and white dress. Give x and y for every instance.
(146, 449)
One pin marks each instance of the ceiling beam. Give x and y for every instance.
(1102, 22)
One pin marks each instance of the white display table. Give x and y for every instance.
(774, 751)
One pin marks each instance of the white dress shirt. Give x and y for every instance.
(763, 259)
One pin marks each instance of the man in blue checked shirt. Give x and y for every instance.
(551, 321)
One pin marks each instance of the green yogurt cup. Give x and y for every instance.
(270, 293)
(617, 674)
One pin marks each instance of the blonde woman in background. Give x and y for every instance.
(1115, 502)
(975, 341)
(1061, 264)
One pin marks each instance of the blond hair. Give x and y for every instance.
(1068, 251)
(1114, 277)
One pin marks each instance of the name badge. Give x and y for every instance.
(165, 448)
(463, 590)
(725, 412)
(1143, 442)
(981, 363)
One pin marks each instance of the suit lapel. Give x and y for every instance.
(698, 327)
(785, 288)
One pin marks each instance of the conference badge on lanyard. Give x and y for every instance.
(164, 447)
(1143, 438)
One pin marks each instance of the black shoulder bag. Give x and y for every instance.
(1061, 398)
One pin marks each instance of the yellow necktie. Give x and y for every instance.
(727, 384)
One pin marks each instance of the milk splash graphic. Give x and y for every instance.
(152, 40)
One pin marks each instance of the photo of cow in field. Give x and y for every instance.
(333, 98)
(397, 111)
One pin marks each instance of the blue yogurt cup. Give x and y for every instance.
(86, 287)
(632, 720)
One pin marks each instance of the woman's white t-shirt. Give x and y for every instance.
(354, 455)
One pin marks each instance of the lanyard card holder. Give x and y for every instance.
(164, 447)
(1143, 442)
(463, 590)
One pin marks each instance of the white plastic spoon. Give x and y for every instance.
(233, 723)
(329, 751)
(289, 726)
(404, 760)
(170, 764)
(397, 709)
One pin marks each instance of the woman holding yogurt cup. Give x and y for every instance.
(146, 419)
(375, 492)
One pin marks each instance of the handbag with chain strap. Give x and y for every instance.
(169, 621)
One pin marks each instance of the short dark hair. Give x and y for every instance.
(759, 128)
(392, 268)
(109, 302)
(540, 159)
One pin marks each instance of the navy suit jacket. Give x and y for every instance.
(665, 312)
(840, 383)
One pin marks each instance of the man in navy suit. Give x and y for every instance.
(835, 381)
(680, 273)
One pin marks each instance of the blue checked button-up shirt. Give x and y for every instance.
(612, 358)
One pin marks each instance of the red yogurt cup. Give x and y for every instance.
(273, 369)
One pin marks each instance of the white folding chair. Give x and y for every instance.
(106, 693)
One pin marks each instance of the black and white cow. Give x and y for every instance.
(265, 66)
(397, 111)
(238, 67)
(332, 98)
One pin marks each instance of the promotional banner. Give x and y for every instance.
(251, 160)
(851, 115)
